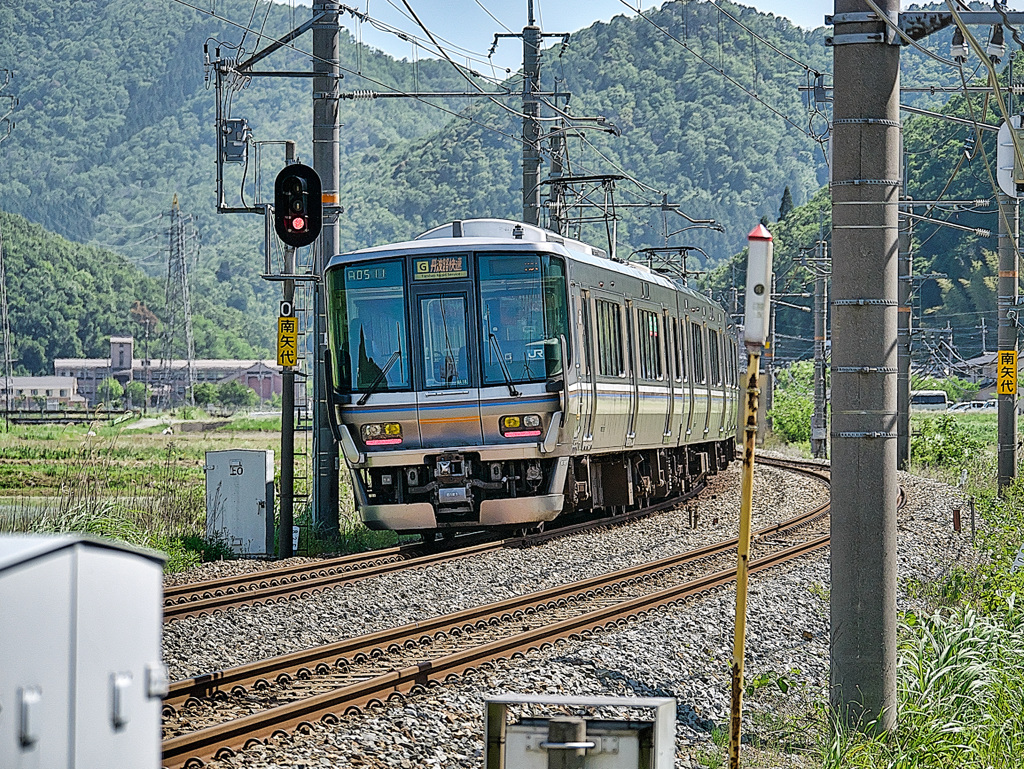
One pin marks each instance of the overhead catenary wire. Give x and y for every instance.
(906, 38)
(763, 40)
(984, 157)
(720, 71)
(462, 72)
(402, 34)
(398, 91)
(385, 86)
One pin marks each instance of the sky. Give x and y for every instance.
(469, 23)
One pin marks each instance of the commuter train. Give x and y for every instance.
(491, 374)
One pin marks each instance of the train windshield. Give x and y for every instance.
(522, 315)
(368, 327)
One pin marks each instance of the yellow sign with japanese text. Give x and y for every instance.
(1006, 372)
(287, 341)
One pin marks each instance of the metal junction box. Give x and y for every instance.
(81, 676)
(589, 743)
(240, 499)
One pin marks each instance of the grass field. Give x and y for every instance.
(136, 482)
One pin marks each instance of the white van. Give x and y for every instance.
(929, 400)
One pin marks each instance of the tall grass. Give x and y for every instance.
(159, 504)
(960, 671)
(960, 698)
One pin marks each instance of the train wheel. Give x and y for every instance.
(430, 536)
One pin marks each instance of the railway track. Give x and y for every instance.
(306, 579)
(220, 713)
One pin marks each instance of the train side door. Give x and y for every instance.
(587, 400)
(699, 382)
(449, 400)
(671, 374)
(686, 374)
(634, 383)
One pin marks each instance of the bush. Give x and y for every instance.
(943, 441)
(793, 402)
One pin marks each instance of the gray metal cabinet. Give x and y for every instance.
(81, 677)
(240, 499)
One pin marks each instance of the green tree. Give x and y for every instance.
(236, 394)
(138, 393)
(793, 402)
(205, 393)
(110, 391)
(787, 203)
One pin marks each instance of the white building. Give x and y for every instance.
(40, 392)
(163, 375)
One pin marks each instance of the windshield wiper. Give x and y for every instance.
(380, 377)
(501, 364)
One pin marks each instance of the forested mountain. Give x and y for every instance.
(66, 300)
(956, 271)
(115, 118)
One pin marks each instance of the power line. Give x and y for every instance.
(720, 71)
(767, 42)
(497, 21)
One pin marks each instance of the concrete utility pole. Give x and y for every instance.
(531, 123)
(904, 330)
(1009, 210)
(325, 163)
(819, 420)
(865, 191)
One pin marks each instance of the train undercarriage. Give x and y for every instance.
(450, 491)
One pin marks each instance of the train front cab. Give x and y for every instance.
(447, 369)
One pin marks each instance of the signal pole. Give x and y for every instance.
(865, 191)
(1007, 335)
(287, 521)
(325, 163)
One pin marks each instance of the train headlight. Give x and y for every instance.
(520, 426)
(381, 434)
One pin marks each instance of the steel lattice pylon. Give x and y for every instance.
(181, 241)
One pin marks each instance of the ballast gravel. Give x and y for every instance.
(683, 652)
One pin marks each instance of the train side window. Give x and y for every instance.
(609, 339)
(714, 357)
(650, 349)
(697, 351)
(681, 350)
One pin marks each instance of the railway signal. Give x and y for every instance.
(298, 205)
(757, 315)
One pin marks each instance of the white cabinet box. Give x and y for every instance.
(240, 499)
(81, 677)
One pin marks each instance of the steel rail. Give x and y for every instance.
(225, 739)
(311, 585)
(241, 583)
(302, 580)
(303, 662)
